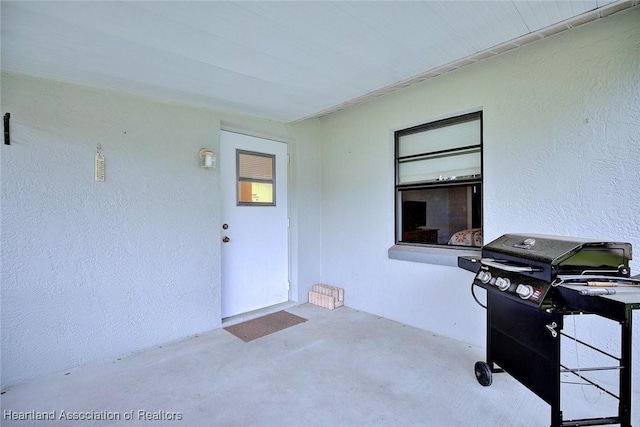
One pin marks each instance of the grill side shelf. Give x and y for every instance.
(605, 306)
(469, 263)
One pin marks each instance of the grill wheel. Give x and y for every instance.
(483, 373)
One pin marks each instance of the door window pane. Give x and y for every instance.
(255, 192)
(256, 178)
(255, 166)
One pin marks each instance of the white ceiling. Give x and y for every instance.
(284, 61)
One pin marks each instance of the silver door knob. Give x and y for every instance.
(225, 239)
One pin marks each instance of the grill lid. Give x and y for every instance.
(567, 254)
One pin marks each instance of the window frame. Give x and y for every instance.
(431, 184)
(240, 179)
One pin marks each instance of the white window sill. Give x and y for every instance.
(432, 254)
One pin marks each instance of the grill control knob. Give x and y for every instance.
(524, 291)
(484, 276)
(502, 283)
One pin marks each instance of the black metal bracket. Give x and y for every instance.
(7, 137)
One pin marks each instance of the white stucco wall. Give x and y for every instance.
(95, 270)
(305, 207)
(561, 156)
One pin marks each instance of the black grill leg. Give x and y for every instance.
(624, 409)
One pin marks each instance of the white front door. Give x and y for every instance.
(255, 247)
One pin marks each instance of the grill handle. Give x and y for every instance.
(507, 267)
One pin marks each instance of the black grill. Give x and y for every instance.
(532, 283)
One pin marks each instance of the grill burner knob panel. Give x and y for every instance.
(525, 288)
(484, 276)
(503, 284)
(524, 291)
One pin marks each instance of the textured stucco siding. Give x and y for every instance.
(96, 269)
(561, 155)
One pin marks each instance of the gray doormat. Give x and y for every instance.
(265, 325)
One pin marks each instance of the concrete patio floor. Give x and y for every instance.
(340, 368)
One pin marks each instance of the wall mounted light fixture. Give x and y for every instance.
(207, 158)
